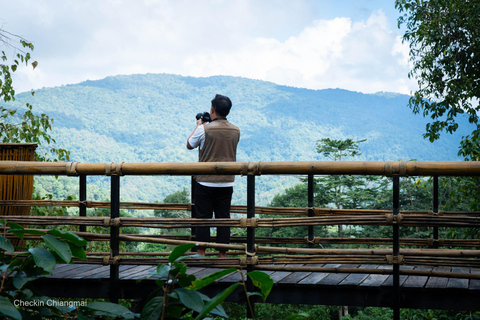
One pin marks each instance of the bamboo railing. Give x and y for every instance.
(268, 253)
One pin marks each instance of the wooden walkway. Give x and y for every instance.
(356, 289)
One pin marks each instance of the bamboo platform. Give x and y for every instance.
(354, 289)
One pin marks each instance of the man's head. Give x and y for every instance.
(221, 105)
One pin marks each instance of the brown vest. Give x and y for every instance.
(221, 139)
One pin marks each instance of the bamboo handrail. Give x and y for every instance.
(156, 222)
(384, 168)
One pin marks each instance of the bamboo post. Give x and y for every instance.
(83, 198)
(250, 239)
(435, 210)
(193, 213)
(396, 249)
(311, 213)
(114, 237)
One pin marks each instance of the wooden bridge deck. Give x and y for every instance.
(356, 289)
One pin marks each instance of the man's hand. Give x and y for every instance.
(200, 121)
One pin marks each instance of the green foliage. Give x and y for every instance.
(180, 196)
(23, 126)
(444, 41)
(19, 269)
(417, 314)
(337, 149)
(178, 295)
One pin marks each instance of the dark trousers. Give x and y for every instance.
(207, 201)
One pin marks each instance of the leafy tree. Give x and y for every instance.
(180, 196)
(444, 40)
(22, 125)
(344, 191)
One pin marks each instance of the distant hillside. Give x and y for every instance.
(147, 118)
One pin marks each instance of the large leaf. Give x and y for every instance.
(153, 309)
(111, 309)
(43, 258)
(205, 281)
(215, 301)
(59, 246)
(185, 280)
(16, 229)
(33, 231)
(190, 299)
(179, 251)
(21, 278)
(77, 252)
(262, 281)
(218, 311)
(8, 309)
(6, 245)
(73, 238)
(161, 271)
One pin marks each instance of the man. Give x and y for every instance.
(217, 142)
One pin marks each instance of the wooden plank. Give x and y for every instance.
(315, 277)
(234, 277)
(71, 273)
(279, 275)
(334, 279)
(417, 281)
(205, 272)
(141, 273)
(474, 283)
(194, 270)
(135, 272)
(389, 281)
(62, 269)
(376, 280)
(438, 282)
(295, 277)
(355, 279)
(92, 273)
(458, 283)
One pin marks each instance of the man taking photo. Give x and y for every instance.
(217, 142)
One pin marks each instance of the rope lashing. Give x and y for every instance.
(115, 222)
(394, 259)
(251, 168)
(112, 168)
(251, 254)
(249, 222)
(244, 261)
(395, 219)
(315, 240)
(71, 168)
(390, 172)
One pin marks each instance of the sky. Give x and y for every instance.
(315, 44)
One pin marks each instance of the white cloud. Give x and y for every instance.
(76, 41)
(363, 56)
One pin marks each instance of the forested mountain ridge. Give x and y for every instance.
(147, 118)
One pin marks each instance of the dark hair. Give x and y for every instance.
(221, 105)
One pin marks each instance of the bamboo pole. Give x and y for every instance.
(387, 168)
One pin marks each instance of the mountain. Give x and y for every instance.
(147, 118)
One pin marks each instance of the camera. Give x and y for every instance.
(205, 116)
